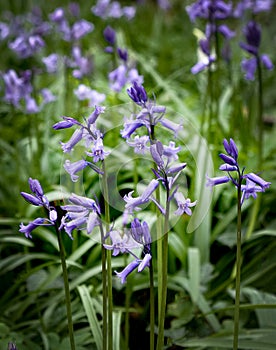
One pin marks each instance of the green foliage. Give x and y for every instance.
(201, 251)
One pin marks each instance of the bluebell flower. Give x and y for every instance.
(82, 213)
(209, 9)
(252, 34)
(27, 229)
(73, 168)
(26, 46)
(12, 346)
(118, 78)
(254, 183)
(97, 150)
(121, 243)
(4, 31)
(112, 9)
(110, 35)
(138, 94)
(81, 28)
(93, 97)
(135, 203)
(139, 143)
(184, 204)
(47, 96)
(141, 234)
(167, 172)
(138, 237)
(75, 138)
(250, 189)
(149, 116)
(82, 65)
(256, 6)
(141, 264)
(51, 62)
(37, 198)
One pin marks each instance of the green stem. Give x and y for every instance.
(238, 271)
(256, 207)
(127, 306)
(66, 288)
(163, 303)
(260, 113)
(104, 282)
(108, 261)
(152, 308)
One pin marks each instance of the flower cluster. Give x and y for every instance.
(112, 9)
(214, 12)
(149, 116)
(125, 73)
(92, 137)
(254, 183)
(136, 238)
(82, 213)
(37, 198)
(252, 33)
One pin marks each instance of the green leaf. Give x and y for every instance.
(194, 272)
(89, 308)
(260, 339)
(117, 315)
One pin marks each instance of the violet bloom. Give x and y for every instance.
(149, 116)
(73, 168)
(12, 346)
(82, 65)
(121, 243)
(138, 263)
(254, 183)
(112, 9)
(141, 234)
(255, 6)
(134, 203)
(27, 45)
(17, 88)
(97, 150)
(82, 213)
(167, 171)
(51, 63)
(209, 9)
(140, 144)
(81, 28)
(118, 78)
(252, 34)
(37, 198)
(184, 205)
(110, 35)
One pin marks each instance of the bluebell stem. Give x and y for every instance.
(39, 199)
(254, 184)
